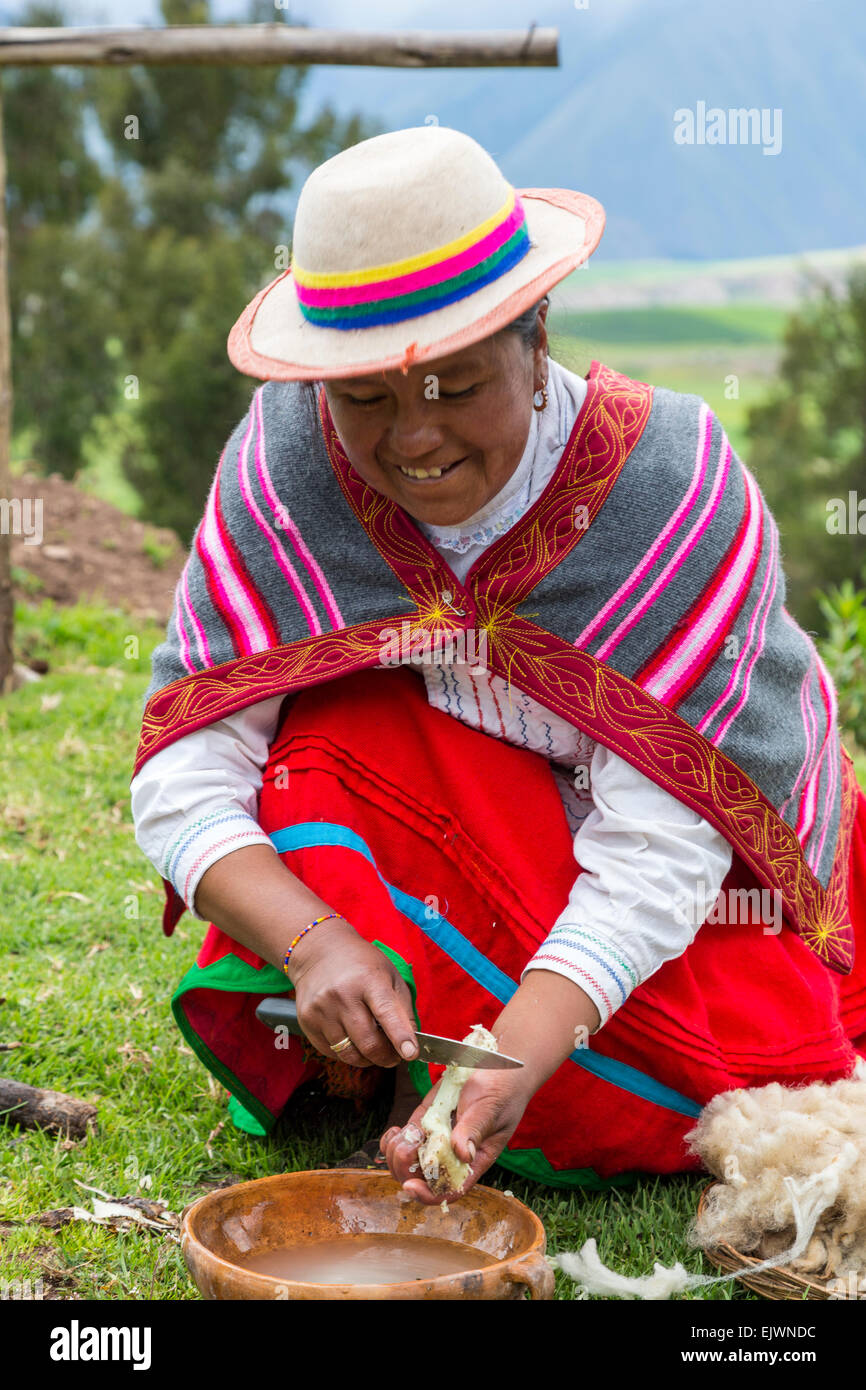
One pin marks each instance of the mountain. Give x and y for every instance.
(604, 121)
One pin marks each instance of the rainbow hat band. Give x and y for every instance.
(418, 285)
(408, 247)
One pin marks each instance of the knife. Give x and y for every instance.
(279, 1012)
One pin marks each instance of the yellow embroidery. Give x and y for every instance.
(589, 695)
(617, 712)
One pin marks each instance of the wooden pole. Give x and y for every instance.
(278, 43)
(7, 605)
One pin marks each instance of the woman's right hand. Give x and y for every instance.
(346, 988)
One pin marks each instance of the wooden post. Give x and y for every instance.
(279, 43)
(7, 605)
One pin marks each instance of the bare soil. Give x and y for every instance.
(91, 550)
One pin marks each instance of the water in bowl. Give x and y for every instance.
(367, 1259)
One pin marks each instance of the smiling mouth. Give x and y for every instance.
(420, 475)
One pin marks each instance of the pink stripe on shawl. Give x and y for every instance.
(805, 811)
(682, 551)
(828, 748)
(722, 605)
(756, 633)
(804, 712)
(630, 584)
(238, 607)
(182, 639)
(266, 529)
(302, 550)
(195, 624)
(333, 296)
(808, 801)
(809, 798)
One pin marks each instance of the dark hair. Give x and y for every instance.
(526, 326)
(310, 401)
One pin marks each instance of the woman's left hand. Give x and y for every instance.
(491, 1107)
(540, 1025)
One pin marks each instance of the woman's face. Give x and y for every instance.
(444, 439)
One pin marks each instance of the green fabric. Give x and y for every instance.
(243, 1119)
(233, 975)
(531, 1163)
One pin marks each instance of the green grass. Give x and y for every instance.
(677, 326)
(86, 982)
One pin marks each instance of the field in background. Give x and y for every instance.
(685, 325)
(692, 348)
(780, 280)
(691, 325)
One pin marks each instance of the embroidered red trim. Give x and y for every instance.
(609, 425)
(193, 701)
(658, 742)
(593, 697)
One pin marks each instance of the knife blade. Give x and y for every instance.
(435, 1049)
(279, 1012)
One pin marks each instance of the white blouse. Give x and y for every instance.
(652, 866)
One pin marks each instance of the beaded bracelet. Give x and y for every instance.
(303, 933)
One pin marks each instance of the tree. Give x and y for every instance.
(134, 248)
(808, 444)
(58, 296)
(192, 218)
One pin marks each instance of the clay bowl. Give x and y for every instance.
(252, 1217)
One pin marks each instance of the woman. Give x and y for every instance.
(604, 789)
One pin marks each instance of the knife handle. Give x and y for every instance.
(279, 1012)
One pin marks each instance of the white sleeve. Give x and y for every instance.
(652, 872)
(196, 801)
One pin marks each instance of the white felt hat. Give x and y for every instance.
(408, 247)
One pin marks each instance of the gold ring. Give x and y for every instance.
(341, 1045)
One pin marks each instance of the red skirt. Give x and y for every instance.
(450, 851)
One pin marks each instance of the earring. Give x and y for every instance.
(543, 389)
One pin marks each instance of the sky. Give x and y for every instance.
(332, 14)
(603, 121)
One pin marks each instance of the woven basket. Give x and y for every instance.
(770, 1283)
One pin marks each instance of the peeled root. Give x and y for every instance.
(443, 1170)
